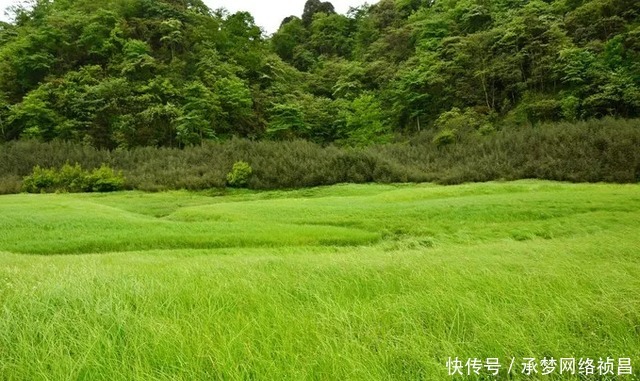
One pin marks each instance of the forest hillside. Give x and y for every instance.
(173, 73)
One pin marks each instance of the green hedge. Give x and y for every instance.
(605, 150)
(72, 178)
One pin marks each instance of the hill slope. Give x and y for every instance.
(126, 73)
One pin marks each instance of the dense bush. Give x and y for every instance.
(41, 180)
(604, 150)
(445, 137)
(72, 178)
(239, 175)
(103, 179)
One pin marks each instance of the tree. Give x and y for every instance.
(291, 35)
(313, 7)
(331, 35)
(365, 122)
(172, 35)
(287, 121)
(200, 114)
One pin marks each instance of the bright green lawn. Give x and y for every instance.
(352, 282)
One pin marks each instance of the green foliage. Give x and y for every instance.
(599, 150)
(175, 74)
(290, 35)
(570, 106)
(331, 35)
(239, 175)
(41, 180)
(72, 178)
(194, 123)
(287, 121)
(104, 179)
(365, 122)
(135, 73)
(445, 138)
(316, 7)
(455, 119)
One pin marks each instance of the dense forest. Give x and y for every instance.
(172, 73)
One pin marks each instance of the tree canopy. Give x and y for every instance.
(126, 73)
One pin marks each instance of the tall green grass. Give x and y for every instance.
(358, 282)
(603, 150)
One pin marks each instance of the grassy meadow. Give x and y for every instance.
(347, 282)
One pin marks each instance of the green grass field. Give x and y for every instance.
(350, 282)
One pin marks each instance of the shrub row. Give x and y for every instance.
(604, 150)
(72, 178)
